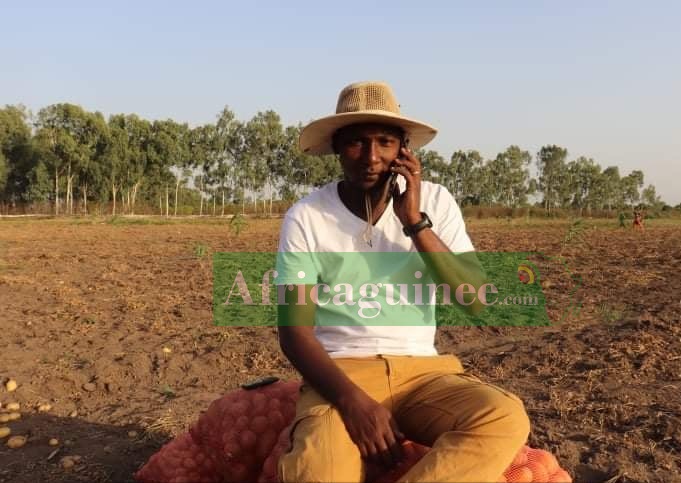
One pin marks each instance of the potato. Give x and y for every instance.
(53, 442)
(14, 416)
(16, 441)
(43, 408)
(4, 418)
(11, 385)
(560, 476)
(5, 431)
(13, 407)
(544, 458)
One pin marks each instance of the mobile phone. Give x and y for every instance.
(392, 181)
(260, 382)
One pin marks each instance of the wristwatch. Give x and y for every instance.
(414, 229)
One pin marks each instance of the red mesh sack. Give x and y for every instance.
(535, 465)
(242, 435)
(269, 468)
(236, 434)
(179, 461)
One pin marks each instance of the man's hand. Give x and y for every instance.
(372, 428)
(406, 205)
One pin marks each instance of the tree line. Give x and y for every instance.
(69, 158)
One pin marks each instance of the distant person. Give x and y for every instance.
(622, 218)
(366, 388)
(638, 221)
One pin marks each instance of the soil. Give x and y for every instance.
(88, 307)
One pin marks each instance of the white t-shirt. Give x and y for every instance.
(321, 225)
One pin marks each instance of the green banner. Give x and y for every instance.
(372, 288)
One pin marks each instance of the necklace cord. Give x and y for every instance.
(368, 210)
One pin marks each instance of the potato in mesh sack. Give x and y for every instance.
(179, 461)
(242, 435)
(235, 434)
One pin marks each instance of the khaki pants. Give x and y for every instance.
(475, 429)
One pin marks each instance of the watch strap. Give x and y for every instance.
(414, 229)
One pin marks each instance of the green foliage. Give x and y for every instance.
(200, 250)
(467, 177)
(552, 175)
(167, 391)
(127, 164)
(575, 234)
(237, 224)
(15, 153)
(3, 172)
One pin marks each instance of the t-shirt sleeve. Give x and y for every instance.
(449, 224)
(295, 260)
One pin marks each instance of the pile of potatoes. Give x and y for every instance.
(242, 435)
(11, 413)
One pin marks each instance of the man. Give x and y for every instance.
(367, 386)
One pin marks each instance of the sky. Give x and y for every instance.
(602, 79)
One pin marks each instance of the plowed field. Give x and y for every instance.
(110, 324)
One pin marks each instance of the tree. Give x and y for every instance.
(651, 200)
(299, 171)
(181, 181)
(489, 179)
(3, 172)
(168, 148)
(630, 186)
(16, 157)
(136, 134)
(169, 159)
(264, 146)
(202, 157)
(228, 144)
(468, 177)
(509, 176)
(67, 137)
(608, 187)
(584, 173)
(551, 166)
(433, 166)
(115, 156)
(38, 182)
(89, 172)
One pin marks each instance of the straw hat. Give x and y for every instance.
(363, 102)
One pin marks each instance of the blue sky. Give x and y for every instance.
(600, 78)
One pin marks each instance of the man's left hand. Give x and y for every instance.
(407, 204)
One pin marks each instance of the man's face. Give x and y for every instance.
(366, 152)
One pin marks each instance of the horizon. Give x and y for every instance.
(595, 79)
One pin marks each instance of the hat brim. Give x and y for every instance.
(316, 137)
